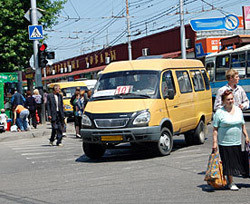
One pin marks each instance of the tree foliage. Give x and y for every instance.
(15, 46)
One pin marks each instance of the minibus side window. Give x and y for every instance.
(205, 77)
(184, 81)
(197, 80)
(167, 83)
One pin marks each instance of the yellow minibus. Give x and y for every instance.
(147, 102)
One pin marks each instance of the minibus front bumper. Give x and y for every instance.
(138, 134)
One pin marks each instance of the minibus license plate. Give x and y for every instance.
(112, 138)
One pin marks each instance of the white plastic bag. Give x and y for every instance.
(13, 128)
(28, 125)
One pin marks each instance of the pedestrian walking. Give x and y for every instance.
(229, 124)
(20, 117)
(31, 105)
(77, 115)
(17, 99)
(55, 115)
(38, 99)
(73, 103)
(240, 97)
(45, 94)
(80, 103)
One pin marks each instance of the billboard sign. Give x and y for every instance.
(246, 17)
(229, 22)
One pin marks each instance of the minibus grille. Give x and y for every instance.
(111, 123)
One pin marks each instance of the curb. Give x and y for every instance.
(43, 130)
(10, 136)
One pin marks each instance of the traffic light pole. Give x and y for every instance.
(38, 72)
(34, 21)
(182, 32)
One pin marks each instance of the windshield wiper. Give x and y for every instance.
(102, 98)
(134, 95)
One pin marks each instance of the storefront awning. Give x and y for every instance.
(74, 73)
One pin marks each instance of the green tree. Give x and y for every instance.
(15, 46)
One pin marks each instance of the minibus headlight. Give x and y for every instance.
(142, 119)
(86, 121)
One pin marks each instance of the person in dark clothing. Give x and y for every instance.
(30, 104)
(55, 114)
(72, 102)
(17, 99)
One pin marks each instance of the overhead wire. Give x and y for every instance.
(139, 25)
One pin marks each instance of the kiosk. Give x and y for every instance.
(8, 83)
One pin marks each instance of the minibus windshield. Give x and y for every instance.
(69, 91)
(127, 84)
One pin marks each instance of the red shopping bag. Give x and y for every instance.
(37, 117)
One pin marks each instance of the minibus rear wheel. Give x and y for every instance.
(165, 144)
(197, 136)
(200, 133)
(93, 151)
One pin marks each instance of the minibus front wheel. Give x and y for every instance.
(93, 151)
(165, 144)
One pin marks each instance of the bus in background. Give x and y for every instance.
(68, 89)
(90, 83)
(218, 63)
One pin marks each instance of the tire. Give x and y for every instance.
(189, 138)
(93, 151)
(165, 144)
(200, 133)
(197, 136)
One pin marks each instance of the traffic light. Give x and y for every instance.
(42, 55)
(50, 55)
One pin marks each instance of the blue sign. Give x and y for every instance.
(35, 32)
(199, 50)
(229, 22)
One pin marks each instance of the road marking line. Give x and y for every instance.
(41, 157)
(36, 153)
(195, 155)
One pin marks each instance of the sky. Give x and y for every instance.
(88, 25)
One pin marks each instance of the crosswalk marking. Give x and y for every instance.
(40, 157)
(39, 151)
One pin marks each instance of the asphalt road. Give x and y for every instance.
(32, 172)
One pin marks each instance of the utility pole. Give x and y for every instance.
(38, 71)
(182, 32)
(128, 28)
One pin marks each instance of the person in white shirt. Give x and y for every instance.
(3, 118)
(38, 98)
(240, 97)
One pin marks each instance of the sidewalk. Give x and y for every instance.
(43, 130)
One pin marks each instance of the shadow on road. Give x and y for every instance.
(125, 152)
(209, 189)
(16, 198)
